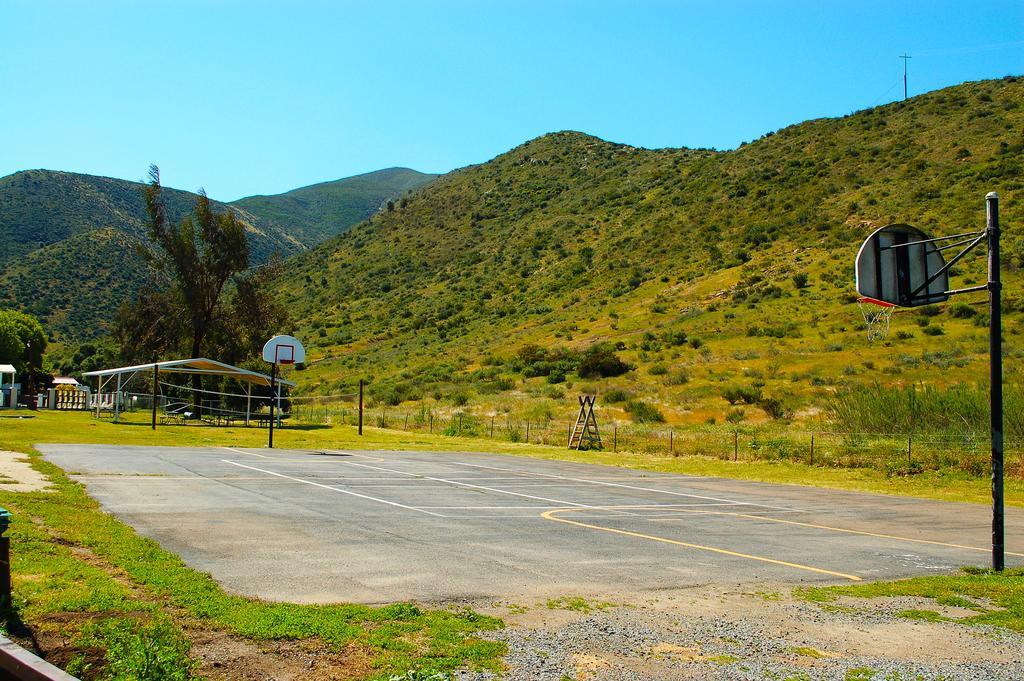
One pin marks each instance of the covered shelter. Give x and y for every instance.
(121, 377)
(8, 370)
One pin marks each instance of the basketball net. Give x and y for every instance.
(877, 314)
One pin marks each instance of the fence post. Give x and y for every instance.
(360, 406)
(492, 427)
(735, 445)
(615, 438)
(431, 422)
(812, 449)
(527, 432)
(671, 443)
(910, 445)
(460, 424)
(407, 421)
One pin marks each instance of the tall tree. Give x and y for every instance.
(202, 253)
(195, 260)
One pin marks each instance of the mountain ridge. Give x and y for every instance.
(41, 209)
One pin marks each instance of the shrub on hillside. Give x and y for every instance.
(642, 412)
(737, 394)
(600, 361)
(774, 408)
(616, 395)
(962, 311)
(679, 376)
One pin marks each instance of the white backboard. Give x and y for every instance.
(284, 350)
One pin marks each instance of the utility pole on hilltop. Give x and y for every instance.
(905, 58)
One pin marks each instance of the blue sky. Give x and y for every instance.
(251, 98)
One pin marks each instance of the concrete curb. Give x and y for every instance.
(18, 663)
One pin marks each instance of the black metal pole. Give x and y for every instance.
(156, 384)
(273, 393)
(995, 349)
(360, 406)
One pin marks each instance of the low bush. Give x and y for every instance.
(643, 412)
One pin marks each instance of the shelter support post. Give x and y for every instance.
(995, 377)
(156, 386)
(248, 403)
(117, 401)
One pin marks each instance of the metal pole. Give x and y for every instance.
(273, 386)
(360, 406)
(812, 449)
(117, 401)
(156, 386)
(248, 402)
(995, 349)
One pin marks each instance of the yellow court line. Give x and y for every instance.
(550, 515)
(844, 529)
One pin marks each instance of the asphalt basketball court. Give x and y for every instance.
(321, 526)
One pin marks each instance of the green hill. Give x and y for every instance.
(709, 270)
(68, 241)
(314, 213)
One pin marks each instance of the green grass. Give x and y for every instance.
(77, 427)
(578, 604)
(134, 599)
(1003, 591)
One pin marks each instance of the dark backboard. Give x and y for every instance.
(894, 264)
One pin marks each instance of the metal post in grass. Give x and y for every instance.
(671, 443)
(995, 349)
(5, 558)
(360, 406)
(910, 449)
(527, 432)
(812, 449)
(615, 438)
(492, 427)
(735, 445)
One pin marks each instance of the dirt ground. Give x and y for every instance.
(748, 632)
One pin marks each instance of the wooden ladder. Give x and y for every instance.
(584, 431)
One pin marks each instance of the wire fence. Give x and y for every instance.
(895, 453)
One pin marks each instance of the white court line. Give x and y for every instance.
(334, 489)
(619, 484)
(610, 507)
(232, 449)
(472, 486)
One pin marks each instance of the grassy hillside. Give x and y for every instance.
(68, 241)
(42, 207)
(314, 213)
(712, 272)
(76, 284)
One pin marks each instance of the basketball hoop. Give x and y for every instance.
(876, 315)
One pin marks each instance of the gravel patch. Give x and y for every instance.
(747, 636)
